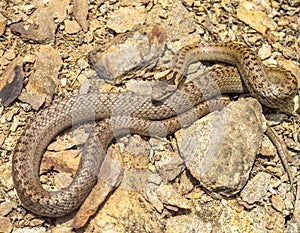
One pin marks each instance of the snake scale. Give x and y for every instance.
(126, 112)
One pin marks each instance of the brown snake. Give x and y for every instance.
(133, 113)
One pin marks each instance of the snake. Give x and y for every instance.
(126, 112)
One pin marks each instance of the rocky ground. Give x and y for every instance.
(162, 189)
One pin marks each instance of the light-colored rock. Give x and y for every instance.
(126, 18)
(63, 161)
(35, 101)
(265, 51)
(3, 22)
(133, 2)
(30, 230)
(6, 207)
(5, 225)
(171, 198)
(267, 148)
(252, 15)
(169, 166)
(187, 224)
(125, 211)
(127, 54)
(219, 150)
(72, 27)
(256, 189)
(278, 203)
(43, 28)
(259, 220)
(44, 80)
(10, 54)
(80, 10)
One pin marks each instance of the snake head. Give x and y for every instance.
(162, 90)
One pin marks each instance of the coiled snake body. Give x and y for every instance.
(129, 112)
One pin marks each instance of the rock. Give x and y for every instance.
(63, 161)
(187, 224)
(169, 166)
(278, 203)
(31, 230)
(2, 138)
(43, 81)
(3, 22)
(214, 148)
(180, 25)
(10, 54)
(265, 51)
(127, 54)
(171, 198)
(267, 148)
(259, 219)
(35, 101)
(43, 27)
(154, 180)
(11, 82)
(126, 211)
(133, 2)
(36, 222)
(62, 144)
(80, 11)
(6, 207)
(5, 225)
(72, 27)
(294, 3)
(252, 15)
(256, 189)
(126, 18)
(61, 229)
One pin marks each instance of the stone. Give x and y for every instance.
(31, 230)
(170, 165)
(44, 80)
(80, 11)
(171, 198)
(253, 16)
(43, 29)
(265, 51)
(61, 229)
(35, 101)
(5, 225)
(126, 18)
(10, 54)
(11, 82)
(219, 150)
(187, 224)
(72, 27)
(278, 203)
(126, 211)
(256, 189)
(154, 180)
(3, 22)
(127, 54)
(267, 148)
(6, 207)
(63, 161)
